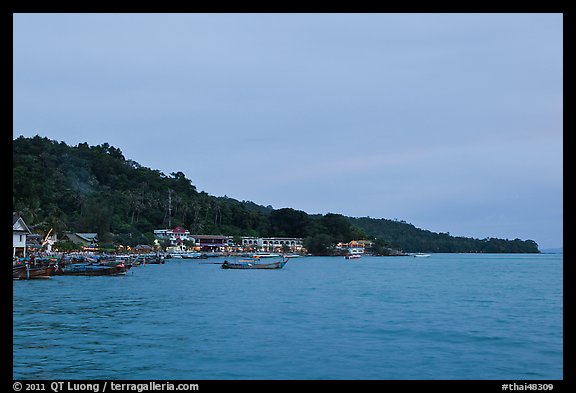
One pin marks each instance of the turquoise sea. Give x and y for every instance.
(446, 317)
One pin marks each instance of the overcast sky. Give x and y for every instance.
(451, 122)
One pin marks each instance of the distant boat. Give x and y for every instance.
(420, 255)
(265, 255)
(145, 259)
(254, 263)
(352, 256)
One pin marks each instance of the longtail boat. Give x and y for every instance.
(25, 272)
(254, 263)
(92, 269)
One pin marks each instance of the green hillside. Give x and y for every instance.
(96, 189)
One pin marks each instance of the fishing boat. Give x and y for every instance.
(352, 256)
(92, 269)
(265, 255)
(145, 259)
(254, 263)
(25, 272)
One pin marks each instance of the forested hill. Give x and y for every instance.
(407, 237)
(96, 189)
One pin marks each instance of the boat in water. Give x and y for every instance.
(92, 269)
(254, 263)
(25, 272)
(352, 256)
(146, 259)
(265, 255)
(420, 255)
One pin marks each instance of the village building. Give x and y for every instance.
(176, 237)
(224, 243)
(210, 243)
(355, 246)
(293, 244)
(20, 232)
(276, 244)
(88, 241)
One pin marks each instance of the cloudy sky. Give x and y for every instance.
(451, 122)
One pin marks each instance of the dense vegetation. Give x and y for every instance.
(96, 189)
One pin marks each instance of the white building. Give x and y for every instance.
(19, 233)
(294, 244)
(176, 236)
(355, 246)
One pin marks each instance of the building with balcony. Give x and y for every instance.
(276, 244)
(176, 237)
(20, 232)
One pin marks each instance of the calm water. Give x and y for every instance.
(450, 316)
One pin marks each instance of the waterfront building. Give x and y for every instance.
(20, 232)
(176, 237)
(224, 243)
(89, 240)
(278, 244)
(355, 246)
(271, 244)
(249, 243)
(210, 242)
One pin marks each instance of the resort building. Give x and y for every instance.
(293, 244)
(176, 237)
(224, 243)
(210, 242)
(355, 246)
(247, 243)
(276, 244)
(20, 232)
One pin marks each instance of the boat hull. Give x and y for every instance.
(25, 273)
(92, 270)
(248, 264)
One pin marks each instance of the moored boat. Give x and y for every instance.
(144, 259)
(265, 255)
(25, 272)
(254, 263)
(92, 269)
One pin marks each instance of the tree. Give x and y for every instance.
(289, 222)
(96, 189)
(338, 227)
(319, 244)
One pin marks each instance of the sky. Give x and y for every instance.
(450, 122)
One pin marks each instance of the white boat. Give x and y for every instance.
(265, 255)
(420, 255)
(255, 263)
